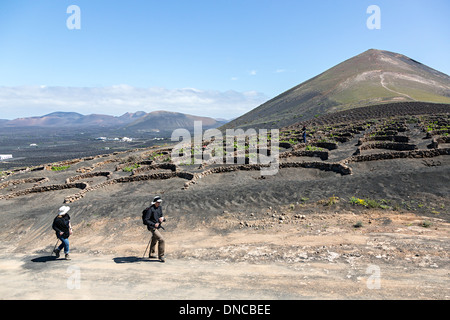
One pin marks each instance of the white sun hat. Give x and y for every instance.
(156, 199)
(63, 210)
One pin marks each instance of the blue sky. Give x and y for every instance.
(215, 58)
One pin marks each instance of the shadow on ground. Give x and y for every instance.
(132, 259)
(45, 259)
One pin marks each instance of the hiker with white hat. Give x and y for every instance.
(153, 217)
(63, 228)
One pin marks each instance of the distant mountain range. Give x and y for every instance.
(157, 121)
(371, 78)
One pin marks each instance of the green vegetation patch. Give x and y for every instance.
(60, 168)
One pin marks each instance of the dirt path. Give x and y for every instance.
(384, 86)
(320, 257)
(110, 277)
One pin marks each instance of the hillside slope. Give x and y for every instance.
(164, 121)
(373, 77)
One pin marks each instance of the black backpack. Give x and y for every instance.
(144, 214)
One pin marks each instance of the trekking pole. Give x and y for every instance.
(57, 240)
(143, 256)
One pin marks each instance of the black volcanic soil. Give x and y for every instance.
(239, 235)
(380, 111)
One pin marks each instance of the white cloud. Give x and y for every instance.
(25, 101)
(253, 72)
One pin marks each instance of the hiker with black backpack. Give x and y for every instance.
(152, 217)
(61, 225)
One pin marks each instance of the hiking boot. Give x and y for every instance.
(56, 251)
(67, 257)
(161, 259)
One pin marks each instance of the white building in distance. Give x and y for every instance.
(5, 156)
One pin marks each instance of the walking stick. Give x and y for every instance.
(143, 256)
(57, 240)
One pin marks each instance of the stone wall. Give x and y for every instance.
(79, 185)
(222, 169)
(96, 165)
(325, 145)
(144, 177)
(89, 175)
(394, 138)
(438, 140)
(339, 167)
(399, 155)
(336, 167)
(132, 163)
(386, 145)
(323, 155)
(165, 166)
(37, 181)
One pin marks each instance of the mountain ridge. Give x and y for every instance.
(139, 120)
(370, 78)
